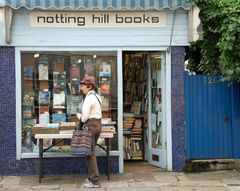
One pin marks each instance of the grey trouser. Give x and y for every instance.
(93, 172)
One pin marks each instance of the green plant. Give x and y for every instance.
(219, 51)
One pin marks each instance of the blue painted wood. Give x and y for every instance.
(212, 118)
(236, 119)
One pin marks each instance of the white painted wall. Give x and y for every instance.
(24, 35)
(2, 27)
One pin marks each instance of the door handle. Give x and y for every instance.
(226, 118)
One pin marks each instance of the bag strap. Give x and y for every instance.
(97, 98)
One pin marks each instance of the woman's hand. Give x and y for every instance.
(79, 115)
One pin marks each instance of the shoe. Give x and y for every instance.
(86, 181)
(90, 184)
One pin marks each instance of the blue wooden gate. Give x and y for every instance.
(212, 118)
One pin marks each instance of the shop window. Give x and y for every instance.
(51, 93)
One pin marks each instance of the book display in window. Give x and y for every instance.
(53, 81)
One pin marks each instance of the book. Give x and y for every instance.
(27, 111)
(75, 71)
(43, 72)
(89, 67)
(105, 102)
(74, 104)
(59, 80)
(44, 97)
(28, 72)
(136, 107)
(44, 119)
(105, 86)
(58, 117)
(105, 69)
(68, 125)
(27, 124)
(59, 100)
(75, 83)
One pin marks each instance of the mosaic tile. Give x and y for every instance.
(178, 108)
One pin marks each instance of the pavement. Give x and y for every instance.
(226, 180)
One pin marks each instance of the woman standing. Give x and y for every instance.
(91, 115)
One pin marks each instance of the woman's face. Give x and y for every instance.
(85, 89)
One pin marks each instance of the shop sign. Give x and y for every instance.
(56, 19)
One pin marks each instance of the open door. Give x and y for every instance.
(156, 131)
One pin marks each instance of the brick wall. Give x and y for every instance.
(178, 108)
(8, 163)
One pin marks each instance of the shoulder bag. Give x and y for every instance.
(82, 142)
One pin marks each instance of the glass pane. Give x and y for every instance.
(156, 121)
(51, 93)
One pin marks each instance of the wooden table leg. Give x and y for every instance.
(108, 159)
(40, 169)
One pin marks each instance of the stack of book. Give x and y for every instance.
(128, 119)
(67, 127)
(50, 128)
(108, 126)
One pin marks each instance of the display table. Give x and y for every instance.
(106, 136)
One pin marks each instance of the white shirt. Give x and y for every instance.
(91, 107)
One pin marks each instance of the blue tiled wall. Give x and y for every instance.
(178, 108)
(8, 163)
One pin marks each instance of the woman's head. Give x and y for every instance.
(87, 84)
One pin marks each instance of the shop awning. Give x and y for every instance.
(98, 4)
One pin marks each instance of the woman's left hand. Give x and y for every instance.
(79, 115)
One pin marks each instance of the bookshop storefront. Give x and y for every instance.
(134, 52)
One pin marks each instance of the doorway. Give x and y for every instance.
(143, 110)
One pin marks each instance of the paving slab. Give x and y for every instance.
(234, 188)
(148, 184)
(166, 178)
(134, 189)
(231, 182)
(45, 186)
(194, 189)
(16, 187)
(201, 183)
(112, 184)
(10, 180)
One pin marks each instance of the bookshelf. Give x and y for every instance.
(135, 105)
(133, 142)
(51, 91)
